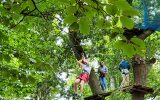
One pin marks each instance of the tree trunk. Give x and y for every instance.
(94, 83)
(77, 49)
(137, 96)
(140, 75)
(139, 70)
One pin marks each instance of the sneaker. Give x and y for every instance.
(76, 96)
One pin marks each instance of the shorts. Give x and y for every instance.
(125, 71)
(84, 77)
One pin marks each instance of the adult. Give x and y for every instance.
(103, 71)
(124, 68)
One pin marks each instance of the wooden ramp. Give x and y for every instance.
(138, 88)
(98, 96)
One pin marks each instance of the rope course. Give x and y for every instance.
(151, 14)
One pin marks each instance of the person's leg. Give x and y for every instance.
(104, 83)
(123, 80)
(101, 83)
(77, 81)
(127, 79)
(81, 86)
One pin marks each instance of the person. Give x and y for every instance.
(124, 68)
(83, 78)
(103, 71)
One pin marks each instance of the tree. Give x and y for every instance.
(31, 30)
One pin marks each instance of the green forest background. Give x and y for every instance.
(36, 55)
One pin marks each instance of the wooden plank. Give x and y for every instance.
(97, 96)
(138, 88)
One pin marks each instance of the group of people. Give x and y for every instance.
(102, 71)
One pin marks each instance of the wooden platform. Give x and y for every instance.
(98, 96)
(138, 88)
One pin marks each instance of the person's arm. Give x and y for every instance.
(80, 62)
(106, 70)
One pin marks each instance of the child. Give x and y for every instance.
(124, 68)
(103, 70)
(83, 78)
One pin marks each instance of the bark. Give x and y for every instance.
(77, 49)
(137, 96)
(94, 83)
(75, 44)
(146, 34)
(139, 70)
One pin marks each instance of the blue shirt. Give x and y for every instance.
(124, 64)
(103, 69)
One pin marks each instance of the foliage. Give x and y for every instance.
(35, 49)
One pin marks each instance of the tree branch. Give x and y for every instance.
(37, 8)
(22, 18)
(145, 34)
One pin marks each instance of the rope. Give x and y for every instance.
(146, 18)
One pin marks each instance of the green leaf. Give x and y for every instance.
(140, 43)
(130, 12)
(70, 19)
(119, 24)
(3, 11)
(30, 4)
(127, 22)
(114, 21)
(117, 30)
(31, 79)
(17, 17)
(128, 49)
(84, 25)
(63, 1)
(90, 12)
(123, 5)
(3, 37)
(111, 9)
(71, 10)
(119, 44)
(101, 23)
(111, 1)
(74, 26)
(16, 9)
(7, 58)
